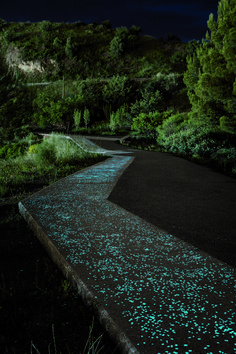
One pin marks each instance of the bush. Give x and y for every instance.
(227, 124)
(150, 102)
(59, 151)
(33, 149)
(168, 82)
(117, 90)
(50, 111)
(171, 125)
(46, 152)
(87, 93)
(229, 154)
(202, 141)
(13, 150)
(147, 123)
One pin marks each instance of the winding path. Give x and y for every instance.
(141, 236)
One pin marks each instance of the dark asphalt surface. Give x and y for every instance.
(154, 293)
(191, 202)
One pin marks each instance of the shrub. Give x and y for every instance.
(168, 82)
(59, 151)
(13, 150)
(171, 125)
(33, 149)
(202, 141)
(147, 123)
(227, 124)
(178, 58)
(117, 89)
(150, 101)
(46, 152)
(87, 93)
(229, 154)
(49, 111)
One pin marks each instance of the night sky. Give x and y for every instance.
(185, 19)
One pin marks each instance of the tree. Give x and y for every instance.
(86, 117)
(147, 123)
(70, 48)
(49, 110)
(116, 90)
(117, 44)
(135, 30)
(151, 101)
(2, 23)
(211, 74)
(107, 24)
(57, 42)
(77, 118)
(46, 26)
(116, 47)
(119, 117)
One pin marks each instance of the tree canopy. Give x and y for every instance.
(211, 73)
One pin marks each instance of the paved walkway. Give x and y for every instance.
(153, 291)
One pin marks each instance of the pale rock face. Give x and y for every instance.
(14, 59)
(30, 66)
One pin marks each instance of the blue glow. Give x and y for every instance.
(164, 288)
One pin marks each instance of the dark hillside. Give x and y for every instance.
(86, 50)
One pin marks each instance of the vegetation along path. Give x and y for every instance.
(155, 291)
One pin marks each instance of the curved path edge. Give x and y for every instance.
(111, 327)
(88, 297)
(153, 292)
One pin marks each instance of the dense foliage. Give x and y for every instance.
(186, 99)
(211, 73)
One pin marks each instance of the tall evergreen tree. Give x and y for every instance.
(211, 74)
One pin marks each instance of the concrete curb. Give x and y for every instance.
(88, 297)
(110, 326)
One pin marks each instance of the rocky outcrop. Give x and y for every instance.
(14, 59)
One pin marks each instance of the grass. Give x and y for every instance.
(47, 161)
(40, 311)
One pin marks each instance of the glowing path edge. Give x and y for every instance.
(153, 292)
